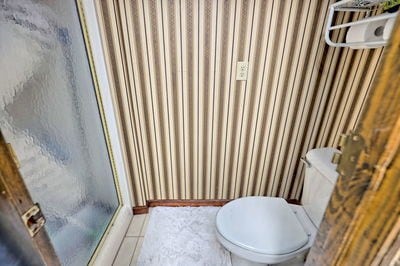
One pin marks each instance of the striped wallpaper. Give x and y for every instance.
(191, 131)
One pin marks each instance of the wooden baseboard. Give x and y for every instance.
(177, 203)
(293, 201)
(140, 210)
(188, 203)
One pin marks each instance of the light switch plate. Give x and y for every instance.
(242, 68)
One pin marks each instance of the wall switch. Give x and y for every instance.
(242, 68)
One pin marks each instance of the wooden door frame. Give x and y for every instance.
(15, 200)
(361, 225)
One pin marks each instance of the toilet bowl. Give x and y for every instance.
(264, 230)
(268, 230)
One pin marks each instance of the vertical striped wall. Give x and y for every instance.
(191, 131)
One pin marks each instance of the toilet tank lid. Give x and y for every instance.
(321, 159)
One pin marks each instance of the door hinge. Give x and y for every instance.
(13, 154)
(33, 219)
(351, 146)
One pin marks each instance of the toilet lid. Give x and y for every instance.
(261, 224)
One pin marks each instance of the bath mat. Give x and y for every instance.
(182, 236)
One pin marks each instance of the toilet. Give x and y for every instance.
(267, 230)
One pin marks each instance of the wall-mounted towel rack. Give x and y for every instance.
(356, 6)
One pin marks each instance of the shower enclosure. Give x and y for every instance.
(50, 115)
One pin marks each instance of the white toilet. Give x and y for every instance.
(266, 230)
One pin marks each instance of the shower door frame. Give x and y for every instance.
(109, 244)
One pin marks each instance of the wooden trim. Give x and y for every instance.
(186, 203)
(293, 201)
(140, 210)
(177, 203)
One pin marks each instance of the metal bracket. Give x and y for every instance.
(351, 145)
(33, 219)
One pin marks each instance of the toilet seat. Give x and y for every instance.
(264, 229)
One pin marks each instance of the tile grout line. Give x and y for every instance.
(145, 223)
(141, 228)
(140, 236)
(134, 250)
(119, 248)
(126, 236)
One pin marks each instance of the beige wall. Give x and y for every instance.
(191, 130)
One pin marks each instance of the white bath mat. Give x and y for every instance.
(182, 236)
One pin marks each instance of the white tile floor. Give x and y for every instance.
(130, 248)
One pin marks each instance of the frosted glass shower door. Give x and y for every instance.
(50, 116)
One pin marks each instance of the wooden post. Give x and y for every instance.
(361, 225)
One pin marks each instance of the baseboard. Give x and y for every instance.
(177, 203)
(293, 201)
(140, 210)
(188, 203)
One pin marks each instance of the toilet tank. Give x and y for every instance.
(319, 181)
